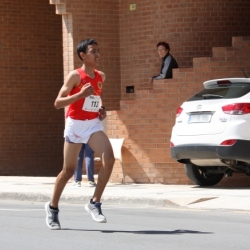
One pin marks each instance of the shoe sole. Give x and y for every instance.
(93, 217)
(47, 218)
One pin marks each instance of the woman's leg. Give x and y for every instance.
(89, 161)
(78, 171)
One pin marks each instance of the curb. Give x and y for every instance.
(76, 199)
(181, 202)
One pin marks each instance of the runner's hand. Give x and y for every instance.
(102, 114)
(86, 90)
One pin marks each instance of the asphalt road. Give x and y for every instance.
(22, 227)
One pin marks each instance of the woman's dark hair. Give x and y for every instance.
(166, 45)
(83, 45)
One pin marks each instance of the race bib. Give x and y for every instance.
(92, 103)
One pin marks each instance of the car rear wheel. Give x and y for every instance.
(199, 175)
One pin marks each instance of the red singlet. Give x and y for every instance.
(75, 109)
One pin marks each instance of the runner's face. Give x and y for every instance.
(92, 56)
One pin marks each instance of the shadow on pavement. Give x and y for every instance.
(178, 231)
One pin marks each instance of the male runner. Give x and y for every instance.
(82, 92)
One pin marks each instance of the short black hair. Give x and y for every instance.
(165, 44)
(83, 45)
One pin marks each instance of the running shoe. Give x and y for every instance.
(52, 219)
(96, 212)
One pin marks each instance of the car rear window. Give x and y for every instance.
(234, 90)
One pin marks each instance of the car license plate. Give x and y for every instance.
(199, 118)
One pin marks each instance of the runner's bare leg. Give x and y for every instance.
(71, 152)
(100, 144)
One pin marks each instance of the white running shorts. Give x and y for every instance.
(78, 131)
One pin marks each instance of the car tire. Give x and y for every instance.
(198, 177)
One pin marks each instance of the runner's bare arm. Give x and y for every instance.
(102, 112)
(72, 80)
(102, 75)
(103, 79)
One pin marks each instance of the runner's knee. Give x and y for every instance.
(68, 172)
(109, 161)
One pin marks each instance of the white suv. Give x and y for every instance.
(211, 135)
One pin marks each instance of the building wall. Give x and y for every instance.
(192, 28)
(147, 120)
(47, 34)
(31, 73)
(99, 20)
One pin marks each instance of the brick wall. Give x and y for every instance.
(31, 68)
(192, 27)
(34, 40)
(147, 120)
(99, 20)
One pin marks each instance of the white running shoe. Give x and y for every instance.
(52, 219)
(96, 212)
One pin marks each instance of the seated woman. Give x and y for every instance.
(168, 62)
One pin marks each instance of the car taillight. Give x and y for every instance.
(171, 144)
(237, 109)
(228, 142)
(223, 82)
(178, 112)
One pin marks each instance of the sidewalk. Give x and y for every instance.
(178, 196)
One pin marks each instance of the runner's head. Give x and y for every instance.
(83, 46)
